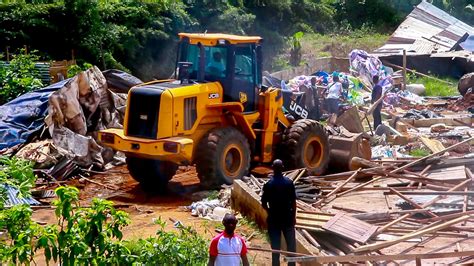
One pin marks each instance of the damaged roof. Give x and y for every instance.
(426, 30)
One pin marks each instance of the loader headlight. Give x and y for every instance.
(171, 147)
(107, 138)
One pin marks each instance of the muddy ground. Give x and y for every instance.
(119, 187)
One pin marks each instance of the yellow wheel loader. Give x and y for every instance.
(217, 115)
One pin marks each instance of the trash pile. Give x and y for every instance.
(56, 127)
(212, 208)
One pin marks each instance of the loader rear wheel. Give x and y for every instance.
(306, 145)
(223, 155)
(153, 175)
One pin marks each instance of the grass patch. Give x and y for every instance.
(340, 45)
(420, 152)
(435, 87)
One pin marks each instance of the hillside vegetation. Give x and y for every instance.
(140, 36)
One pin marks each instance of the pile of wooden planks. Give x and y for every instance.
(434, 207)
(305, 190)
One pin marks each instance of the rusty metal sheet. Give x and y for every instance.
(426, 22)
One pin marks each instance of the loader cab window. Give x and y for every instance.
(208, 63)
(216, 63)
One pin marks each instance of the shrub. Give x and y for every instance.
(19, 76)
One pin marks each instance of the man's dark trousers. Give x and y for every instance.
(377, 114)
(274, 232)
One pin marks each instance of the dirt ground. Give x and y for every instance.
(143, 208)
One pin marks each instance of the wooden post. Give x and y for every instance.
(404, 85)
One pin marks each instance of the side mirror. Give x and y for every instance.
(183, 72)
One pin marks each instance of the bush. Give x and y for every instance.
(19, 76)
(85, 235)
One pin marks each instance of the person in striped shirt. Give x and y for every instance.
(228, 248)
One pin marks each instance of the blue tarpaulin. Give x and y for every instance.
(23, 116)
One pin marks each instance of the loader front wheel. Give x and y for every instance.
(306, 144)
(223, 155)
(153, 175)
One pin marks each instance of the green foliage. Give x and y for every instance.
(375, 13)
(340, 45)
(19, 76)
(75, 69)
(15, 173)
(295, 48)
(419, 152)
(16, 221)
(435, 87)
(185, 247)
(87, 235)
(22, 232)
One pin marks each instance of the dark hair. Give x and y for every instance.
(278, 166)
(375, 79)
(229, 217)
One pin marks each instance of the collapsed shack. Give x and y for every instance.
(435, 43)
(56, 127)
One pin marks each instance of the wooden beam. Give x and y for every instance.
(356, 258)
(420, 232)
(401, 218)
(451, 193)
(359, 186)
(431, 155)
(326, 198)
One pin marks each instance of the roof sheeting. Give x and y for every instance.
(427, 29)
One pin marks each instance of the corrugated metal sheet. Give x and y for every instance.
(13, 199)
(426, 30)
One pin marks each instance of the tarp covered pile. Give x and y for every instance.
(66, 117)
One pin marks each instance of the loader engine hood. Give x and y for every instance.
(143, 108)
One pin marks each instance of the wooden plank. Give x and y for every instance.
(310, 238)
(450, 193)
(431, 155)
(432, 144)
(446, 217)
(327, 197)
(357, 258)
(420, 232)
(310, 228)
(345, 225)
(450, 174)
(359, 186)
(310, 223)
(427, 204)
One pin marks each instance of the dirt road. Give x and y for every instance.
(183, 189)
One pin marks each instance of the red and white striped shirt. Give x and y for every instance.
(227, 250)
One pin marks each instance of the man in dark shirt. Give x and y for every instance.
(279, 200)
(376, 94)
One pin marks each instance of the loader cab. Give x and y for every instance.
(233, 61)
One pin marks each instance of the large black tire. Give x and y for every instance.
(222, 156)
(306, 144)
(153, 175)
